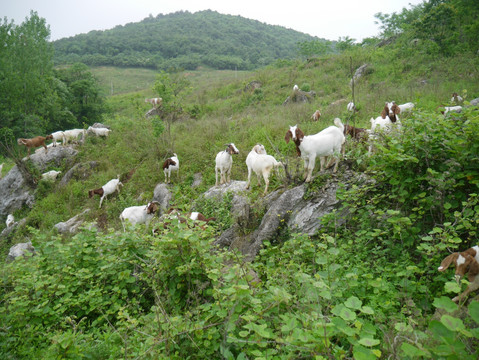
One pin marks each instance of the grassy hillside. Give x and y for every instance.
(106, 293)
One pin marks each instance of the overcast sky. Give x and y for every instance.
(329, 19)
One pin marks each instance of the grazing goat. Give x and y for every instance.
(295, 88)
(58, 136)
(351, 107)
(156, 102)
(73, 135)
(355, 133)
(109, 188)
(406, 107)
(316, 115)
(456, 98)
(175, 214)
(171, 164)
(325, 143)
(262, 164)
(387, 118)
(466, 262)
(224, 162)
(139, 214)
(35, 142)
(10, 220)
(99, 131)
(50, 175)
(448, 109)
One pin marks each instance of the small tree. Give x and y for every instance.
(170, 87)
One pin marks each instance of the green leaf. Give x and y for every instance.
(445, 303)
(367, 310)
(452, 323)
(451, 286)
(412, 351)
(369, 342)
(353, 303)
(362, 353)
(474, 311)
(343, 312)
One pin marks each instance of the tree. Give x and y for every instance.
(170, 87)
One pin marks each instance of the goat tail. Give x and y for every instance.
(339, 124)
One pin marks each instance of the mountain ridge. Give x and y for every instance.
(184, 40)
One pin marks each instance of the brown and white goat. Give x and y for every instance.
(466, 262)
(171, 164)
(316, 115)
(173, 213)
(156, 102)
(35, 142)
(224, 162)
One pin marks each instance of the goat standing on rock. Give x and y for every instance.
(224, 162)
(325, 143)
(35, 142)
(261, 163)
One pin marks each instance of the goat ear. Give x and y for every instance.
(385, 112)
(299, 134)
(397, 109)
(447, 261)
(288, 136)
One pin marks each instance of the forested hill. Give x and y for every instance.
(184, 40)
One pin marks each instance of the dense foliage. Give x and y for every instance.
(184, 40)
(35, 98)
(365, 286)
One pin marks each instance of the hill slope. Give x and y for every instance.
(185, 40)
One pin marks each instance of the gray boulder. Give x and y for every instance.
(15, 192)
(71, 225)
(474, 102)
(80, 171)
(20, 250)
(163, 196)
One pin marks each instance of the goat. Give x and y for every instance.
(406, 107)
(175, 214)
(10, 220)
(139, 214)
(465, 262)
(171, 164)
(262, 164)
(387, 118)
(50, 175)
(295, 88)
(73, 135)
(355, 133)
(1, 169)
(316, 115)
(58, 136)
(325, 143)
(224, 162)
(156, 102)
(456, 98)
(448, 109)
(99, 131)
(109, 188)
(351, 107)
(35, 142)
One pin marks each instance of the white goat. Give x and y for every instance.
(406, 107)
(109, 188)
(387, 118)
(73, 135)
(262, 164)
(139, 214)
(295, 88)
(58, 136)
(448, 109)
(10, 220)
(224, 162)
(50, 175)
(325, 143)
(99, 131)
(171, 164)
(351, 107)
